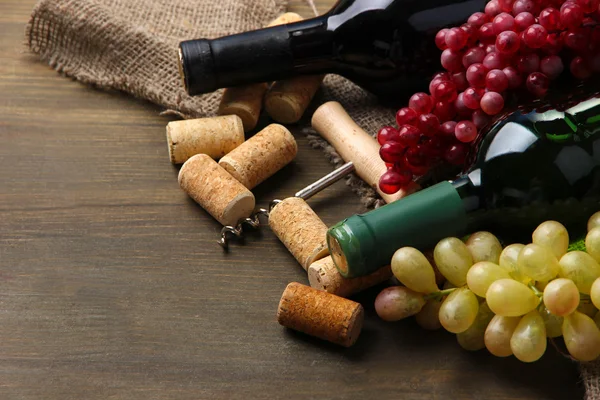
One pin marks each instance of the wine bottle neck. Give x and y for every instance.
(265, 54)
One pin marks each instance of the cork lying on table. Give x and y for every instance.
(300, 230)
(320, 314)
(261, 156)
(245, 102)
(212, 136)
(323, 275)
(220, 194)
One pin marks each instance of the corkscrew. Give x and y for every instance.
(309, 191)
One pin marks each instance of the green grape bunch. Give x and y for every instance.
(507, 300)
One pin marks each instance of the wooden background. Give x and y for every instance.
(112, 285)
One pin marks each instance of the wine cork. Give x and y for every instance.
(323, 275)
(214, 137)
(215, 190)
(245, 102)
(320, 314)
(287, 100)
(300, 230)
(354, 144)
(261, 156)
(286, 18)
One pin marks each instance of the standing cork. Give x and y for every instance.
(354, 144)
(300, 230)
(215, 190)
(245, 102)
(287, 100)
(261, 156)
(323, 275)
(212, 136)
(320, 314)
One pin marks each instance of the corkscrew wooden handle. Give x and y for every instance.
(352, 143)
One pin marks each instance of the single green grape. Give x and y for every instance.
(428, 318)
(594, 221)
(553, 235)
(484, 247)
(582, 336)
(561, 297)
(592, 243)
(473, 338)
(482, 274)
(510, 298)
(595, 293)
(508, 261)
(413, 270)
(553, 323)
(498, 334)
(528, 342)
(398, 302)
(453, 259)
(459, 310)
(581, 268)
(537, 262)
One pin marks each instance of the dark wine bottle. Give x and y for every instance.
(531, 166)
(385, 46)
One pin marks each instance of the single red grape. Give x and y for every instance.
(496, 81)
(492, 103)
(538, 84)
(520, 6)
(552, 66)
(480, 119)
(451, 60)
(589, 6)
(421, 103)
(472, 56)
(523, 20)
(428, 124)
(447, 129)
(391, 152)
(477, 19)
(492, 9)
(506, 5)
(456, 39)
(576, 40)
(385, 134)
(392, 181)
(503, 22)
(493, 61)
(549, 18)
(440, 39)
(528, 63)
(476, 75)
(461, 109)
(460, 80)
(465, 131)
(406, 116)
(456, 154)
(580, 68)
(444, 91)
(408, 135)
(535, 36)
(508, 42)
(486, 33)
(571, 14)
(416, 156)
(445, 111)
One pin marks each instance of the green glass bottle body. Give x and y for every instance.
(529, 167)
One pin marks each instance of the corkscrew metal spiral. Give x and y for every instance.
(254, 222)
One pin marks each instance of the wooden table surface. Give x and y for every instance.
(112, 285)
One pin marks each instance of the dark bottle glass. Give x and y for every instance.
(385, 46)
(531, 166)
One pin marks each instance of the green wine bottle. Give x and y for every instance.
(529, 167)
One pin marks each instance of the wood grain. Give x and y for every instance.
(112, 285)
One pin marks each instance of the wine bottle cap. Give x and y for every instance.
(363, 243)
(197, 67)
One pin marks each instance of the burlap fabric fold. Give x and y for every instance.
(131, 46)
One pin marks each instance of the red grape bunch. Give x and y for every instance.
(514, 45)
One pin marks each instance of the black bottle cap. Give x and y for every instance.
(197, 67)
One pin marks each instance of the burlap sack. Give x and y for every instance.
(131, 45)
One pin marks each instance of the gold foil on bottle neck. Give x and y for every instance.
(180, 67)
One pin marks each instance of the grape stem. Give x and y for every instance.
(438, 295)
(535, 290)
